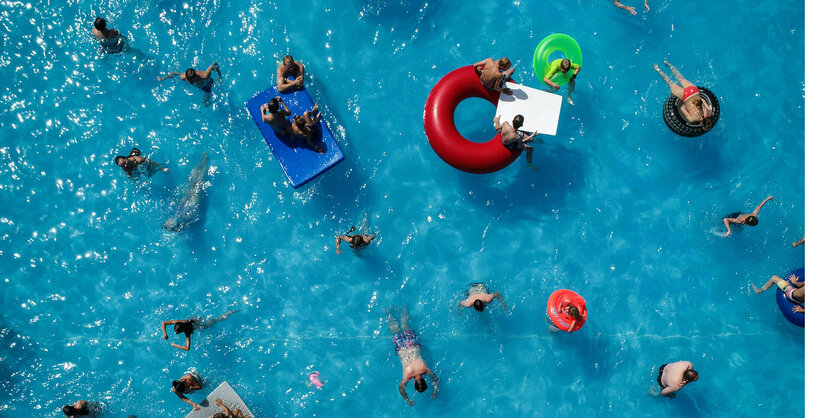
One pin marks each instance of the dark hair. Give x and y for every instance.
(566, 63)
(691, 375)
(135, 151)
(179, 386)
(478, 305)
(518, 120)
(574, 312)
(751, 220)
(190, 73)
(118, 159)
(219, 415)
(420, 384)
(299, 121)
(503, 63)
(357, 240)
(707, 124)
(100, 23)
(288, 58)
(187, 327)
(272, 106)
(72, 410)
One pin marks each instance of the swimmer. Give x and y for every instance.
(306, 127)
(111, 40)
(511, 138)
(188, 326)
(799, 242)
(77, 409)
(478, 296)
(277, 118)
(562, 66)
(187, 384)
(795, 292)
(673, 376)
(135, 164)
(286, 68)
(576, 313)
(692, 108)
(201, 79)
(357, 240)
(188, 208)
(407, 347)
(740, 218)
(631, 9)
(235, 413)
(494, 74)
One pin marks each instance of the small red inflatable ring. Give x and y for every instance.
(563, 320)
(439, 124)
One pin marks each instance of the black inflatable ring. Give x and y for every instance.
(676, 122)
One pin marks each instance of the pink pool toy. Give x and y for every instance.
(314, 379)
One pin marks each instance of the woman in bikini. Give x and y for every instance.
(692, 108)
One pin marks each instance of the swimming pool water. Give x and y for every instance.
(621, 210)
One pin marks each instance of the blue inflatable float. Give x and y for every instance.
(786, 305)
(300, 162)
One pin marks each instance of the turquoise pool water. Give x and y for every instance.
(622, 211)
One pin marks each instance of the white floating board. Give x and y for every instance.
(226, 394)
(540, 109)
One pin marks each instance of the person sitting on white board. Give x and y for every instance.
(512, 139)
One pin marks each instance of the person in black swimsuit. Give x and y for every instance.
(111, 40)
(512, 139)
(306, 127)
(135, 164)
(187, 384)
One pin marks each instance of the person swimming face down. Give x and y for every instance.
(691, 375)
(100, 24)
(751, 220)
(478, 305)
(191, 75)
(420, 384)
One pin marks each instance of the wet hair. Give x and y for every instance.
(565, 64)
(357, 240)
(219, 415)
(691, 375)
(478, 305)
(574, 312)
(272, 106)
(184, 327)
(707, 124)
(191, 73)
(119, 159)
(420, 384)
(299, 121)
(179, 386)
(518, 120)
(135, 151)
(100, 23)
(71, 410)
(288, 59)
(751, 220)
(504, 63)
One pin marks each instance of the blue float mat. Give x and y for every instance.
(300, 162)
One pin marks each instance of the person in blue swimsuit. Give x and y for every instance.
(407, 347)
(201, 79)
(740, 218)
(188, 209)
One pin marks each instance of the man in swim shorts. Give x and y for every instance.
(201, 79)
(135, 164)
(740, 218)
(673, 376)
(562, 66)
(794, 290)
(286, 68)
(478, 295)
(512, 139)
(493, 74)
(111, 40)
(277, 118)
(407, 347)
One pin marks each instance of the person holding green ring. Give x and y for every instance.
(563, 66)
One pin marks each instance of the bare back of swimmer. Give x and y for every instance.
(494, 73)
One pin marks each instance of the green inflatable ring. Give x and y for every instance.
(556, 42)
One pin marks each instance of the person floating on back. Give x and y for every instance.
(201, 79)
(357, 240)
(692, 108)
(286, 68)
(740, 218)
(189, 383)
(562, 66)
(188, 209)
(110, 39)
(135, 164)
(493, 74)
(794, 290)
(478, 296)
(407, 347)
(673, 376)
(188, 326)
(277, 116)
(512, 139)
(306, 127)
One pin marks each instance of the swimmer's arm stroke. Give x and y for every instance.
(168, 76)
(757, 210)
(186, 400)
(727, 222)
(402, 389)
(499, 295)
(185, 347)
(214, 67)
(627, 8)
(434, 384)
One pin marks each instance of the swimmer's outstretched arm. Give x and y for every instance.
(499, 295)
(184, 347)
(757, 210)
(168, 76)
(402, 389)
(186, 400)
(530, 137)
(339, 239)
(727, 222)
(434, 384)
(798, 242)
(646, 4)
(629, 9)
(213, 67)
(367, 238)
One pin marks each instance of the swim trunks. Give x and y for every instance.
(477, 288)
(660, 372)
(517, 145)
(789, 292)
(689, 92)
(405, 339)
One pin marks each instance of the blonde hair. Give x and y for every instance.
(504, 63)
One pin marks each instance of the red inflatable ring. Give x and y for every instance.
(556, 309)
(439, 124)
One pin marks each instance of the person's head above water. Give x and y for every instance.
(121, 161)
(181, 327)
(478, 305)
(707, 124)
(574, 312)
(100, 23)
(357, 240)
(179, 386)
(420, 384)
(288, 60)
(751, 220)
(565, 65)
(504, 63)
(691, 375)
(518, 120)
(190, 74)
(71, 410)
(272, 106)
